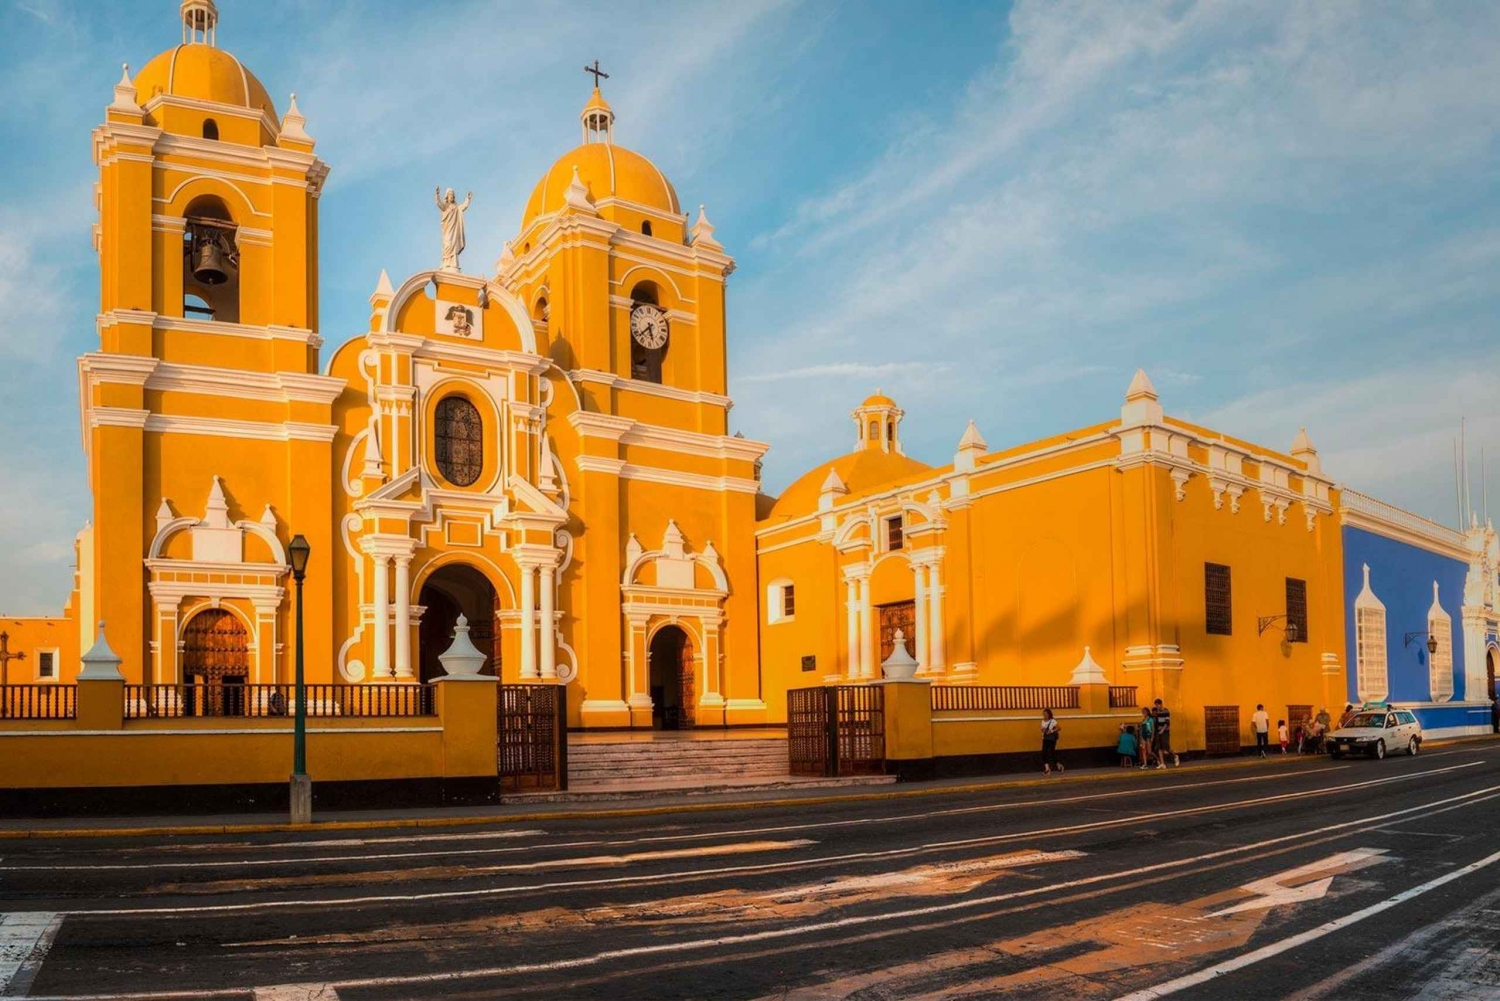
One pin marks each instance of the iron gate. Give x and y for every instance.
(532, 734)
(836, 730)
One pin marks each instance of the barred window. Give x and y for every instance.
(788, 601)
(459, 436)
(1296, 610)
(1216, 600)
(894, 537)
(1369, 653)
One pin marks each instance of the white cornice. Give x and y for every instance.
(269, 332)
(670, 477)
(1362, 511)
(627, 431)
(219, 427)
(281, 387)
(614, 381)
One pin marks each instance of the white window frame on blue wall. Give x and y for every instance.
(1371, 660)
(1440, 663)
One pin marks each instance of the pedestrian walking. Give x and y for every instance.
(1347, 715)
(1281, 734)
(1127, 746)
(1050, 734)
(1145, 736)
(1162, 719)
(1261, 724)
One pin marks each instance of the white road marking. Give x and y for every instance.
(1312, 935)
(25, 938)
(806, 929)
(1273, 891)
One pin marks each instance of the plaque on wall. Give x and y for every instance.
(456, 319)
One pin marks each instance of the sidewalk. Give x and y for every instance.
(646, 805)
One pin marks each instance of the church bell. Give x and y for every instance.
(208, 263)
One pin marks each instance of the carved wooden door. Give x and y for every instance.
(901, 615)
(686, 690)
(215, 653)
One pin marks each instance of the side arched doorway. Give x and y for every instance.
(673, 693)
(453, 590)
(215, 664)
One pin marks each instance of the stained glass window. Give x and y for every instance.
(459, 435)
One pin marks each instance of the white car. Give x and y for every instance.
(1377, 732)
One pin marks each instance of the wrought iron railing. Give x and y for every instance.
(1122, 696)
(836, 730)
(176, 701)
(46, 701)
(1002, 697)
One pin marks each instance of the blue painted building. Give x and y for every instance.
(1406, 580)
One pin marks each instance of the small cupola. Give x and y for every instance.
(598, 117)
(200, 22)
(877, 424)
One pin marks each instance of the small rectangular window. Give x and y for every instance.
(810, 663)
(893, 536)
(1216, 600)
(46, 665)
(1296, 609)
(788, 601)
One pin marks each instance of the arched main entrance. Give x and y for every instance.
(453, 590)
(671, 679)
(215, 664)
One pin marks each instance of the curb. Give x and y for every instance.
(143, 831)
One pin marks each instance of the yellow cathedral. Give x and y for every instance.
(544, 454)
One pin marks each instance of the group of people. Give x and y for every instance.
(1148, 743)
(1308, 735)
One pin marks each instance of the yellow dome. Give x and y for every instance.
(878, 400)
(204, 73)
(608, 171)
(860, 471)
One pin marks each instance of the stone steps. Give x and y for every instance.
(676, 763)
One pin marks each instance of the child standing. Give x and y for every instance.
(1281, 734)
(1127, 746)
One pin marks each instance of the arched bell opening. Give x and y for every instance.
(210, 261)
(453, 590)
(671, 679)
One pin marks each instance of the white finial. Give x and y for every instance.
(1088, 671)
(373, 461)
(577, 195)
(462, 659)
(1141, 387)
(216, 512)
(703, 232)
(163, 514)
(268, 519)
(101, 663)
(1142, 406)
(672, 542)
(900, 665)
(383, 288)
(125, 93)
(970, 447)
(292, 123)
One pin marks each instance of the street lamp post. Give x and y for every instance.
(298, 552)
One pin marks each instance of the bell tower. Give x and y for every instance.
(207, 238)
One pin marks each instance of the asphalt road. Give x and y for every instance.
(1353, 879)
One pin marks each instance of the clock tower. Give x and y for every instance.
(626, 298)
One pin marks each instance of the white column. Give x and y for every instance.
(403, 616)
(528, 621)
(382, 616)
(935, 663)
(919, 574)
(852, 587)
(548, 633)
(867, 649)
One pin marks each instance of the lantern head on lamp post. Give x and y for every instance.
(298, 552)
(1431, 645)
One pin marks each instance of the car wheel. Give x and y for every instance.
(1411, 747)
(1379, 750)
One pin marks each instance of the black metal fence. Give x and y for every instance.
(988, 698)
(230, 699)
(1122, 696)
(46, 701)
(836, 730)
(532, 737)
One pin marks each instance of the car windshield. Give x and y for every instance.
(1376, 720)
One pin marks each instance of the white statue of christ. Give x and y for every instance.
(453, 225)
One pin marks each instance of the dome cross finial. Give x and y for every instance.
(599, 74)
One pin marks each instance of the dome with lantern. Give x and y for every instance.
(624, 186)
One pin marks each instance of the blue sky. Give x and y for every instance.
(1288, 213)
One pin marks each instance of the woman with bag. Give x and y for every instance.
(1050, 733)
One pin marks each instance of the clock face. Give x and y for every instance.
(648, 325)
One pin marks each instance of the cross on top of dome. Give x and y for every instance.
(598, 118)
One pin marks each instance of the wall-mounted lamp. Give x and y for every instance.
(1265, 622)
(1431, 641)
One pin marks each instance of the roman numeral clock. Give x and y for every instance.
(648, 328)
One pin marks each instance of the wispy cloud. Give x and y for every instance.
(849, 370)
